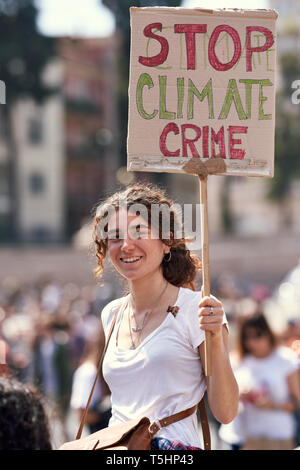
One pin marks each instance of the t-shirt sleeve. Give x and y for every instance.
(290, 359)
(195, 334)
(107, 314)
(83, 380)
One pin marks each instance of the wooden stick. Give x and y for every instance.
(205, 264)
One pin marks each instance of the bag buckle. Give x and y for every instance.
(155, 427)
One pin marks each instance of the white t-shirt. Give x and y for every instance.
(267, 375)
(163, 375)
(83, 380)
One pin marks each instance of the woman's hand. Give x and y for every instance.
(211, 316)
(264, 403)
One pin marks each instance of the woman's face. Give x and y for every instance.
(134, 249)
(257, 342)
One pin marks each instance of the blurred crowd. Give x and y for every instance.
(48, 341)
(47, 330)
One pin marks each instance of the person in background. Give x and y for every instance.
(291, 338)
(98, 414)
(23, 420)
(268, 378)
(52, 362)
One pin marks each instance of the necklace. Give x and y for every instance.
(130, 331)
(137, 329)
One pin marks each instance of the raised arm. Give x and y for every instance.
(222, 388)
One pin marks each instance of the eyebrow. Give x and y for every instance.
(116, 231)
(139, 226)
(113, 231)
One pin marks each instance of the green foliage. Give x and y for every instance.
(287, 136)
(290, 67)
(120, 8)
(24, 52)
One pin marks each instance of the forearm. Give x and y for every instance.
(222, 388)
(288, 406)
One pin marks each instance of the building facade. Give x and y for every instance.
(65, 151)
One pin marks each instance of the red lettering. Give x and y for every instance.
(171, 127)
(218, 139)
(205, 149)
(190, 142)
(249, 50)
(162, 56)
(190, 30)
(213, 59)
(236, 153)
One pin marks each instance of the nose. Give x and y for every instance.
(127, 244)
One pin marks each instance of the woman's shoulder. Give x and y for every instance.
(188, 301)
(286, 355)
(190, 295)
(86, 369)
(109, 311)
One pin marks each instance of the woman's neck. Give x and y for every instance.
(147, 290)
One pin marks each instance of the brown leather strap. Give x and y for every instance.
(99, 371)
(204, 425)
(161, 423)
(157, 425)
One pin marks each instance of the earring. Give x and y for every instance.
(169, 258)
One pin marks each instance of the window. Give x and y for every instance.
(36, 183)
(35, 133)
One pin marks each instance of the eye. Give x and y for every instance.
(114, 236)
(138, 232)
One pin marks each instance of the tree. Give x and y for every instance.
(120, 8)
(287, 136)
(24, 52)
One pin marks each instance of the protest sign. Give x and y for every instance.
(202, 85)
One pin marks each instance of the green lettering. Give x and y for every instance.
(193, 91)
(248, 88)
(263, 98)
(144, 80)
(232, 95)
(163, 113)
(180, 94)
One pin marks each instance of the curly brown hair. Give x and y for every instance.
(182, 269)
(24, 423)
(256, 321)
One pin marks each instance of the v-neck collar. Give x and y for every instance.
(150, 335)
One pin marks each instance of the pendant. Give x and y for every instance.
(132, 347)
(136, 329)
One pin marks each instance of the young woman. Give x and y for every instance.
(268, 377)
(154, 361)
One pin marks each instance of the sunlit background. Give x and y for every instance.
(63, 149)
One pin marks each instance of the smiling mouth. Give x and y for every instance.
(131, 260)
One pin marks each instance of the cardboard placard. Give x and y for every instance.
(202, 91)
